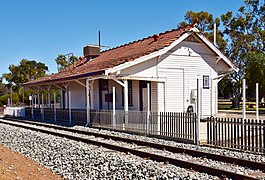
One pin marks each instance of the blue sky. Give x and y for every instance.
(42, 29)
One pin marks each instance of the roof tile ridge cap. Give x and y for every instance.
(184, 28)
(188, 27)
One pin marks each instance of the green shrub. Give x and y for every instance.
(4, 99)
(15, 99)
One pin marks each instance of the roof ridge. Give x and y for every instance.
(165, 32)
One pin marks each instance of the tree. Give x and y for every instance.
(73, 59)
(4, 99)
(225, 88)
(245, 37)
(62, 61)
(255, 73)
(206, 25)
(26, 71)
(3, 89)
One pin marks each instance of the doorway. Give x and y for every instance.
(144, 95)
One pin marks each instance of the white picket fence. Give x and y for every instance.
(14, 111)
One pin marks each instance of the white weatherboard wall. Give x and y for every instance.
(160, 96)
(144, 69)
(153, 86)
(174, 88)
(78, 95)
(181, 66)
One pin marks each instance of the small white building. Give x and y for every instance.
(169, 63)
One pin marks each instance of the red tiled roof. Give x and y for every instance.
(116, 56)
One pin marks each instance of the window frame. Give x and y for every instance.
(206, 82)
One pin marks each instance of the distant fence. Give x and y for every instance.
(181, 126)
(247, 135)
(78, 116)
(14, 111)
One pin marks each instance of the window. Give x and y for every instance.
(130, 97)
(206, 82)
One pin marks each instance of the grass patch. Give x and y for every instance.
(226, 106)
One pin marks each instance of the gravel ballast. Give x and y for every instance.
(218, 151)
(77, 160)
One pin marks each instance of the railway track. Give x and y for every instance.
(138, 150)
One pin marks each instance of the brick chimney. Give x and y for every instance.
(91, 51)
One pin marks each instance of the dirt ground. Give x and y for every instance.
(16, 166)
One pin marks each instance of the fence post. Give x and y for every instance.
(158, 122)
(114, 109)
(126, 107)
(257, 101)
(38, 98)
(54, 97)
(32, 110)
(148, 109)
(244, 98)
(4, 109)
(61, 99)
(208, 129)
(70, 108)
(87, 102)
(215, 132)
(49, 99)
(42, 106)
(198, 112)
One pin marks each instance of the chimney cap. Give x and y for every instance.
(91, 51)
